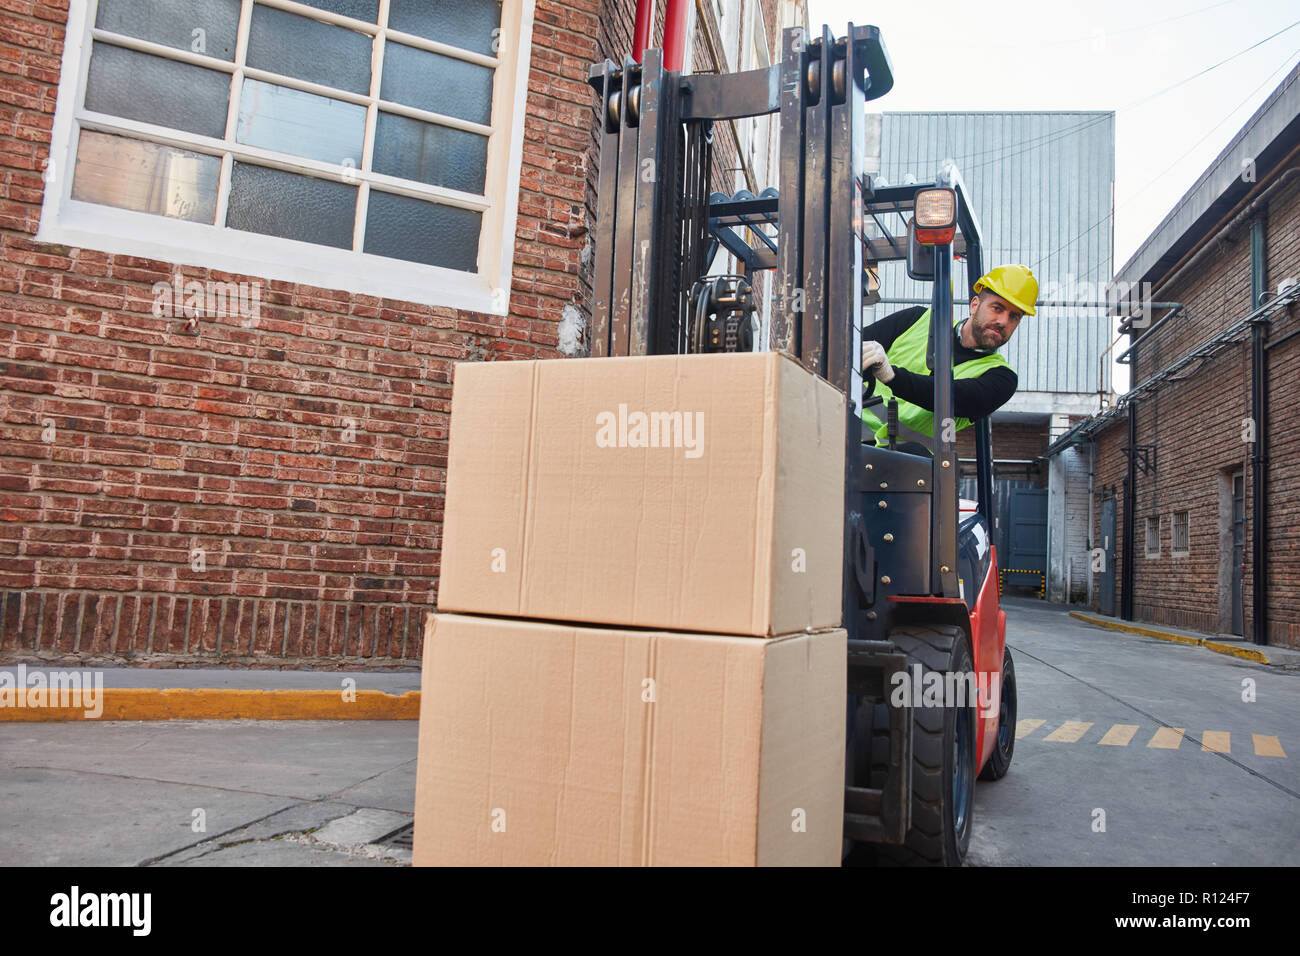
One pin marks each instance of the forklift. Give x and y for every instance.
(920, 581)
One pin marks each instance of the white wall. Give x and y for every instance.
(1067, 525)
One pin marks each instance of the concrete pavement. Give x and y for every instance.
(332, 792)
(203, 793)
(1134, 751)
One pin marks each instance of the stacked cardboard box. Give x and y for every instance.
(637, 655)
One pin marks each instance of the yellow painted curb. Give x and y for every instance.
(202, 703)
(1237, 651)
(1216, 646)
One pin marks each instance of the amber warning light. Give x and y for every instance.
(936, 216)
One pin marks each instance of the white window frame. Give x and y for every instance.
(688, 55)
(70, 222)
(1146, 541)
(732, 11)
(792, 13)
(760, 128)
(1174, 550)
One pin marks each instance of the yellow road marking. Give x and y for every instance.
(1268, 746)
(1026, 727)
(1216, 741)
(1167, 738)
(1119, 736)
(1070, 731)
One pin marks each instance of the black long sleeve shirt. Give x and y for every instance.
(972, 398)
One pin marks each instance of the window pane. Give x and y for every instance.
(201, 26)
(467, 24)
(431, 154)
(292, 207)
(367, 10)
(309, 50)
(440, 84)
(146, 177)
(153, 90)
(304, 124)
(420, 231)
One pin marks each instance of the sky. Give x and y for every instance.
(1100, 55)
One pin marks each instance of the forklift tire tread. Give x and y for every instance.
(932, 839)
(1004, 747)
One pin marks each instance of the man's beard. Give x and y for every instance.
(985, 338)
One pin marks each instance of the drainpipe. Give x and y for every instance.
(1092, 542)
(1259, 412)
(675, 34)
(1130, 522)
(645, 19)
(1102, 400)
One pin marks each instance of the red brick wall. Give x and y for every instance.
(1283, 447)
(316, 550)
(1195, 426)
(229, 442)
(1012, 441)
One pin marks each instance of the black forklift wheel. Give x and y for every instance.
(1005, 746)
(943, 756)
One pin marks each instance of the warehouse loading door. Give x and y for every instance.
(1106, 577)
(1026, 537)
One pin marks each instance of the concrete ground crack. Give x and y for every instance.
(301, 817)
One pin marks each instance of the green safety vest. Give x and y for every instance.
(908, 351)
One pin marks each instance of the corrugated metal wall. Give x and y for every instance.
(1041, 183)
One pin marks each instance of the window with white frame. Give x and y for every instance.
(1153, 537)
(1180, 533)
(729, 13)
(367, 145)
(757, 131)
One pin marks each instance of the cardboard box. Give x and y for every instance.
(695, 492)
(546, 744)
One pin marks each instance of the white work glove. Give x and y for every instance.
(873, 353)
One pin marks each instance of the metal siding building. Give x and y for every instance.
(1041, 184)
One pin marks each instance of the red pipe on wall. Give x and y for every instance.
(645, 19)
(675, 33)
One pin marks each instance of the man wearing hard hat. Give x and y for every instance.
(894, 350)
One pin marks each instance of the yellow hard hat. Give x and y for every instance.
(1016, 284)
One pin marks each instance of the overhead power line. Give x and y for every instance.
(1151, 182)
(1141, 26)
(1053, 136)
(1147, 99)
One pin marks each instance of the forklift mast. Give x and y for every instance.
(659, 226)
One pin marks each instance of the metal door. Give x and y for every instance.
(1001, 511)
(1027, 537)
(1238, 546)
(1106, 577)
